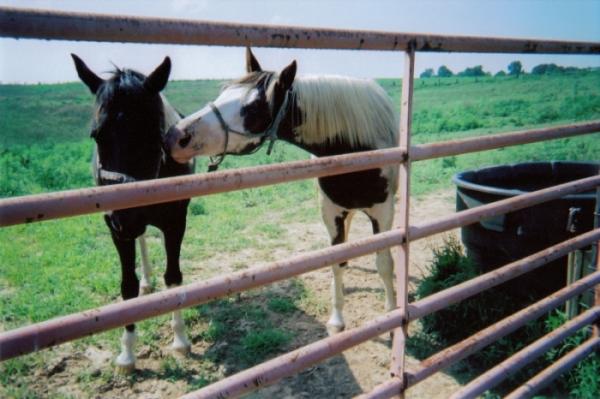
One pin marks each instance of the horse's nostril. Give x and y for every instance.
(185, 140)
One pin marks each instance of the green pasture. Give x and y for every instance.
(58, 267)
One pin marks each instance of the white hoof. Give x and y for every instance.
(181, 345)
(182, 349)
(125, 362)
(124, 366)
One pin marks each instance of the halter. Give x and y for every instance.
(105, 175)
(270, 133)
(116, 177)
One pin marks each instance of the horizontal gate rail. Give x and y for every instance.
(465, 348)
(67, 328)
(43, 24)
(552, 372)
(502, 371)
(62, 329)
(387, 389)
(290, 363)
(476, 214)
(462, 291)
(282, 366)
(488, 142)
(470, 345)
(33, 208)
(40, 207)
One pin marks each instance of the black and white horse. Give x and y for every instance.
(325, 115)
(130, 119)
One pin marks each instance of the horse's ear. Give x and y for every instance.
(252, 64)
(286, 77)
(157, 80)
(91, 80)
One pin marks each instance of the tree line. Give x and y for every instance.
(515, 69)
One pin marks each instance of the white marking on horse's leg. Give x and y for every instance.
(145, 285)
(382, 217)
(385, 267)
(180, 342)
(336, 219)
(336, 322)
(126, 360)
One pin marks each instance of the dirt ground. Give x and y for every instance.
(355, 371)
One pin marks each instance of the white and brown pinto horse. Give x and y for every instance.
(325, 115)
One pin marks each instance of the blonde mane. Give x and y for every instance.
(354, 111)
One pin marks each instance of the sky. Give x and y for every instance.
(33, 61)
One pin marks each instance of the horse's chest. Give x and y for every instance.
(356, 190)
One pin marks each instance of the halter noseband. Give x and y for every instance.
(269, 133)
(105, 175)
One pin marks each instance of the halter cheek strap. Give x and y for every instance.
(270, 133)
(215, 161)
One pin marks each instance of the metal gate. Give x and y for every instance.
(32, 208)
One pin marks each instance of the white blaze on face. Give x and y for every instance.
(208, 135)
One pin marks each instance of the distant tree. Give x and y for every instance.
(444, 72)
(473, 72)
(500, 74)
(515, 68)
(547, 69)
(428, 73)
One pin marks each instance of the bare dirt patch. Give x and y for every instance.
(73, 371)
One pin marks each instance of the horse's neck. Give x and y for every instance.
(326, 149)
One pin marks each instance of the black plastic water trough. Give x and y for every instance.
(496, 241)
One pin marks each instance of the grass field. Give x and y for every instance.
(70, 264)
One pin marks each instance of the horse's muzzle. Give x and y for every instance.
(176, 140)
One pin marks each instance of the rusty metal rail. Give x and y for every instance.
(498, 330)
(552, 372)
(502, 371)
(489, 142)
(67, 328)
(33, 208)
(290, 363)
(40, 207)
(59, 330)
(275, 369)
(461, 350)
(387, 389)
(44, 24)
(462, 291)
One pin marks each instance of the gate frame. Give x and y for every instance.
(78, 26)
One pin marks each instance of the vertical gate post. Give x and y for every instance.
(401, 257)
(596, 332)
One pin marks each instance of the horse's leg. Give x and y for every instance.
(145, 285)
(173, 277)
(382, 217)
(337, 221)
(129, 289)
